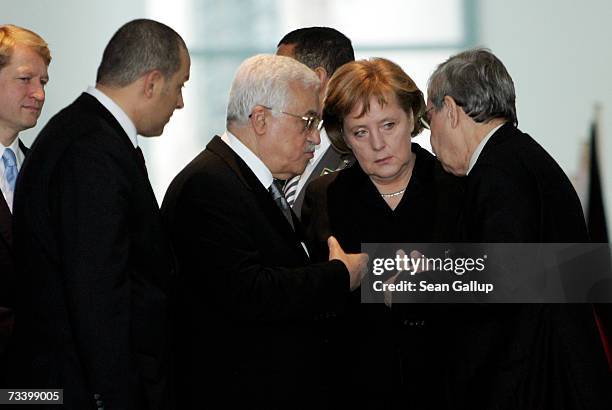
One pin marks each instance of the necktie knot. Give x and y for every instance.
(10, 167)
(9, 158)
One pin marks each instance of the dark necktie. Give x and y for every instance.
(141, 159)
(281, 202)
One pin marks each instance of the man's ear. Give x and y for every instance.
(322, 74)
(258, 120)
(323, 78)
(453, 110)
(153, 83)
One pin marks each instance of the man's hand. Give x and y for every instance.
(356, 263)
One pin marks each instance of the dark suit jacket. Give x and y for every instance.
(528, 356)
(248, 293)
(95, 270)
(331, 161)
(388, 355)
(7, 270)
(7, 262)
(348, 205)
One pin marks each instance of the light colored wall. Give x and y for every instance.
(560, 57)
(558, 53)
(77, 32)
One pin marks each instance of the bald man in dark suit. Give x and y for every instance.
(96, 269)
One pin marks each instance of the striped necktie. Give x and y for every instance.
(290, 190)
(281, 202)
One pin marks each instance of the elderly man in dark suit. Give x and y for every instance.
(24, 59)
(249, 295)
(93, 292)
(323, 50)
(511, 356)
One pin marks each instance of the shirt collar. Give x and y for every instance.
(120, 115)
(323, 145)
(480, 147)
(256, 165)
(16, 150)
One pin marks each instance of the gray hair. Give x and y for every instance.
(137, 48)
(266, 80)
(478, 82)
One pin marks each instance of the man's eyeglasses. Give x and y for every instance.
(424, 118)
(311, 122)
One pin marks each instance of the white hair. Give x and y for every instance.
(266, 79)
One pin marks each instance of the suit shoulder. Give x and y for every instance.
(516, 156)
(206, 166)
(206, 175)
(79, 124)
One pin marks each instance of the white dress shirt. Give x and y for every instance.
(120, 115)
(256, 165)
(261, 171)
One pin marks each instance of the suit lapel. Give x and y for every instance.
(6, 218)
(497, 138)
(6, 222)
(465, 225)
(331, 161)
(267, 204)
(23, 148)
(220, 148)
(91, 103)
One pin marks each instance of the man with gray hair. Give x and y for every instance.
(249, 294)
(515, 356)
(92, 297)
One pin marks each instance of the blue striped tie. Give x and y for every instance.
(10, 167)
